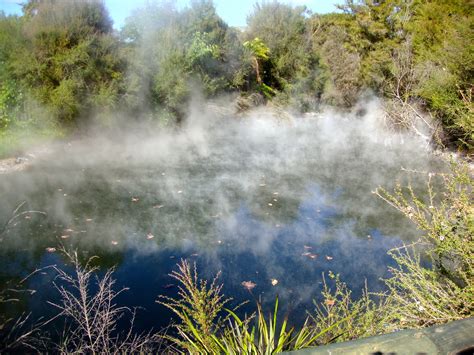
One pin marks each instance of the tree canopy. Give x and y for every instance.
(67, 59)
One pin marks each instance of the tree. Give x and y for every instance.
(175, 53)
(283, 29)
(71, 62)
(11, 90)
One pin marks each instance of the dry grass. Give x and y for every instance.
(92, 316)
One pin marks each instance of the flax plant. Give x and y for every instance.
(202, 330)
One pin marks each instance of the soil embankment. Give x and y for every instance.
(23, 161)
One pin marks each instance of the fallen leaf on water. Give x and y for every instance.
(50, 249)
(275, 200)
(180, 192)
(64, 236)
(195, 254)
(158, 206)
(150, 236)
(88, 219)
(329, 257)
(274, 282)
(306, 254)
(308, 247)
(275, 193)
(248, 285)
(69, 230)
(219, 242)
(114, 242)
(330, 303)
(135, 199)
(312, 256)
(27, 217)
(262, 185)
(270, 204)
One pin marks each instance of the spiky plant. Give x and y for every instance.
(202, 328)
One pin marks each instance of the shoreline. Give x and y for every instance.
(22, 161)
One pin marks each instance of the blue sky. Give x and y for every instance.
(234, 12)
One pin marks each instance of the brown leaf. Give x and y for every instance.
(248, 285)
(330, 303)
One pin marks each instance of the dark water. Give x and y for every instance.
(256, 200)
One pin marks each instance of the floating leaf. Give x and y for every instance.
(274, 282)
(249, 285)
(329, 257)
(330, 303)
(50, 249)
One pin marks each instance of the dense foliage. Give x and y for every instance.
(63, 65)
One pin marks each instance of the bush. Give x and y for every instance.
(421, 295)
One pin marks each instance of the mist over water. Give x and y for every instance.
(257, 197)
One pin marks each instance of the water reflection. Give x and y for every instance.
(258, 200)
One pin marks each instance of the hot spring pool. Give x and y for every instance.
(257, 199)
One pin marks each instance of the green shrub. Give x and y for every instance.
(421, 295)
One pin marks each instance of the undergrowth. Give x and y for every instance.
(202, 330)
(420, 295)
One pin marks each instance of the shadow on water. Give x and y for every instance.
(257, 200)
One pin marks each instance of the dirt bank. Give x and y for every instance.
(23, 161)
